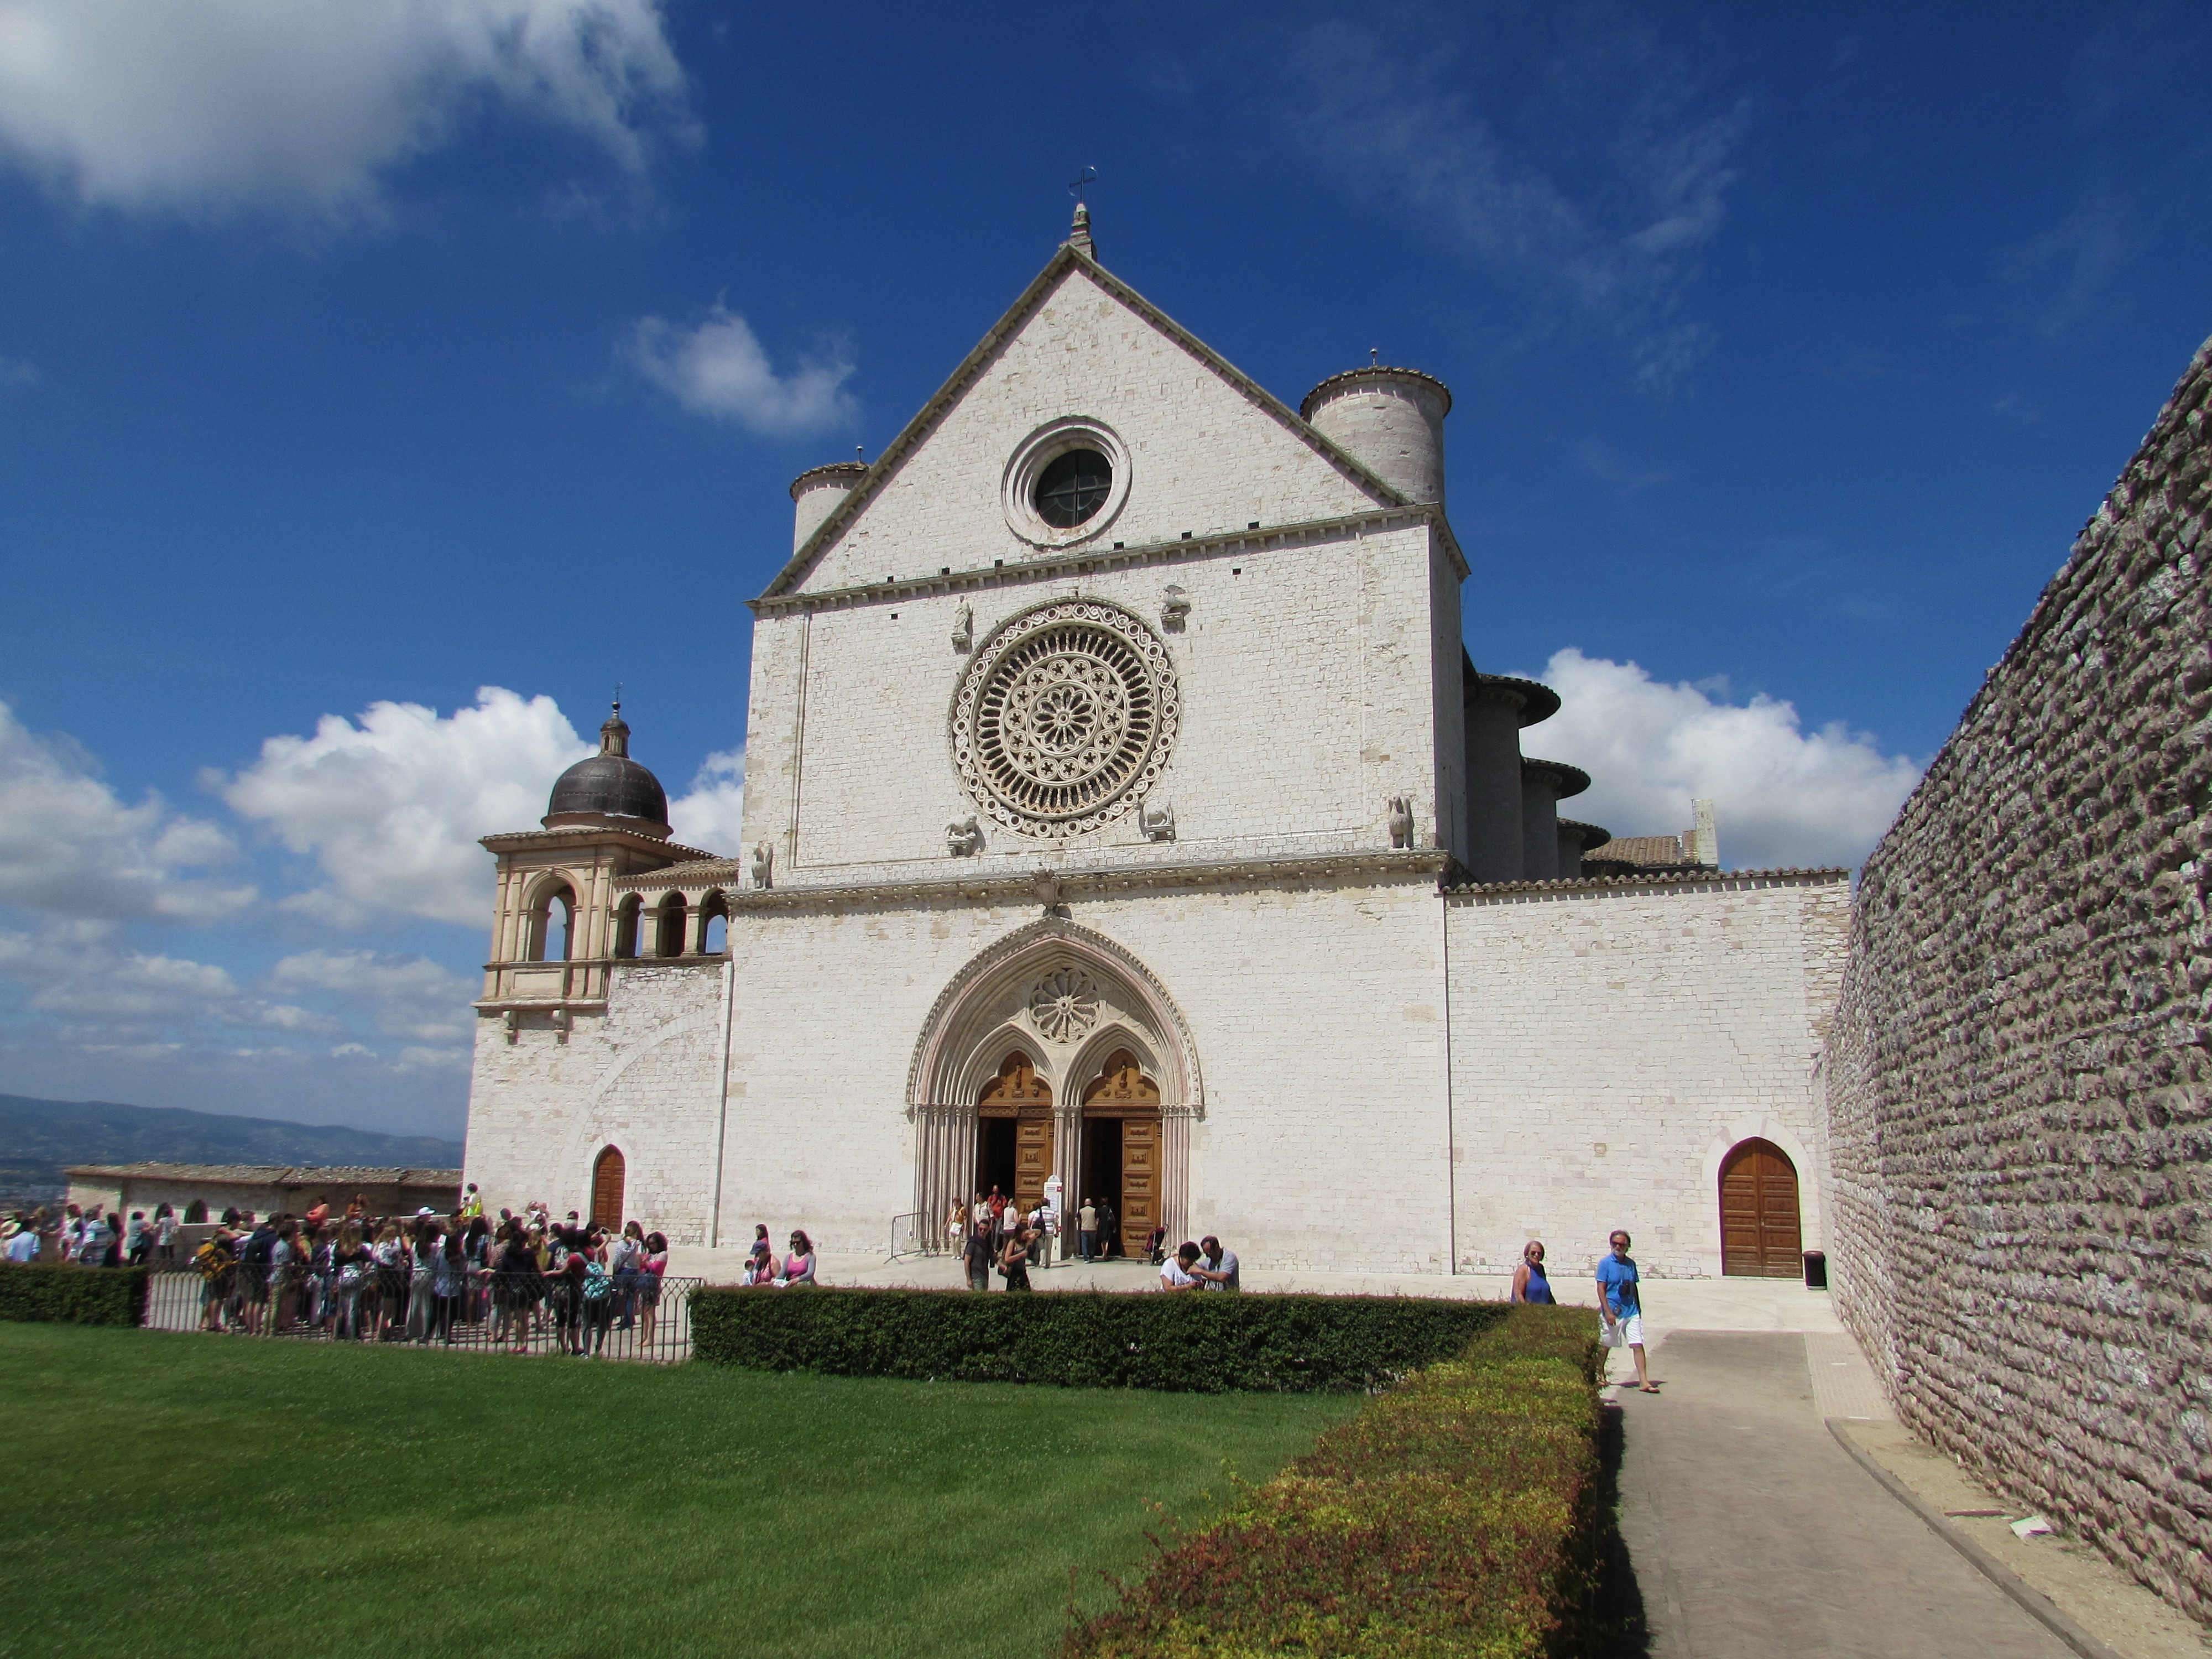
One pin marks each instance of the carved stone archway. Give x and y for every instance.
(1067, 995)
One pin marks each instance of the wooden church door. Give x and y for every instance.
(607, 1190)
(1019, 1093)
(1760, 1236)
(1122, 1090)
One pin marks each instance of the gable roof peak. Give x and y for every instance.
(1078, 237)
(1071, 259)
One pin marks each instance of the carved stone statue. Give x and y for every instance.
(760, 864)
(1157, 820)
(1401, 821)
(963, 838)
(963, 630)
(1175, 608)
(1048, 888)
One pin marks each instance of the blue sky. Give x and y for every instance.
(357, 356)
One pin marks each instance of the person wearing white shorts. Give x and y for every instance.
(1619, 1300)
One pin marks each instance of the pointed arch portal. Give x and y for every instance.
(1057, 1052)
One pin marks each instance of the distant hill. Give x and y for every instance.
(39, 1138)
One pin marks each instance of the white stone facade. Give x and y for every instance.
(1349, 1055)
(1612, 1041)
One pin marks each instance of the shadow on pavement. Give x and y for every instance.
(1618, 1629)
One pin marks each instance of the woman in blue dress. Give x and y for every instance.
(1529, 1284)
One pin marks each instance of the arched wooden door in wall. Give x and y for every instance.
(1121, 1164)
(607, 1172)
(1013, 1138)
(1759, 1236)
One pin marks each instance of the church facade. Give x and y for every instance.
(1122, 807)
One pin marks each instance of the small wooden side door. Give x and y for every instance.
(1760, 1231)
(607, 1190)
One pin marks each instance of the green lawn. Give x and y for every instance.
(182, 1495)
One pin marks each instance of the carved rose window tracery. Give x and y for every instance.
(1065, 1006)
(1066, 719)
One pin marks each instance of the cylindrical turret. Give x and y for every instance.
(1544, 785)
(1495, 708)
(1391, 421)
(1576, 838)
(820, 491)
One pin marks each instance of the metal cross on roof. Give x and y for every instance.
(1082, 181)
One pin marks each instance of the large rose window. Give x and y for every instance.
(1066, 718)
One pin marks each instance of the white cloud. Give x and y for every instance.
(408, 996)
(391, 808)
(717, 369)
(712, 817)
(213, 104)
(70, 846)
(1782, 795)
(413, 1059)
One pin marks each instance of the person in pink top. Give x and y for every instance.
(653, 1269)
(798, 1267)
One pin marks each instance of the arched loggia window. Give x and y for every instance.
(669, 942)
(716, 938)
(626, 920)
(552, 923)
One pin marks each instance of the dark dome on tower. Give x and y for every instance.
(610, 787)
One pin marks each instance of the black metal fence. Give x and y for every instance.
(632, 1316)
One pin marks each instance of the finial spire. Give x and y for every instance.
(614, 736)
(1375, 356)
(1078, 237)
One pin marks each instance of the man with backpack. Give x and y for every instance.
(217, 1263)
(254, 1258)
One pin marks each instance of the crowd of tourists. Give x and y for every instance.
(992, 1233)
(90, 1236)
(428, 1278)
(349, 1275)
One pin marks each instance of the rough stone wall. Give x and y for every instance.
(644, 1076)
(1611, 1042)
(2018, 1078)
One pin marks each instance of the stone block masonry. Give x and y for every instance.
(2017, 1083)
(1612, 1040)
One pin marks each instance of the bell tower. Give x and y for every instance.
(557, 929)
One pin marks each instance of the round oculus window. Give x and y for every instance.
(1067, 717)
(1072, 487)
(1066, 483)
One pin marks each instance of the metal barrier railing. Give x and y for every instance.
(910, 1237)
(635, 1316)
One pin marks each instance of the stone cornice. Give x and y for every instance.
(1522, 892)
(1057, 269)
(1083, 561)
(1536, 701)
(1379, 863)
(524, 841)
(705, 871)
(1567, 781)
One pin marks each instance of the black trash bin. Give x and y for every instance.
(1816, 1270)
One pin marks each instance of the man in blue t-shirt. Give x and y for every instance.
(1623, 1308)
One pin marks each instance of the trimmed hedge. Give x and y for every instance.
(1197, 1343)
(60, 1293)
(1459, 1514)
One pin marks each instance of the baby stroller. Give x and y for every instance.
(1156, 1246)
